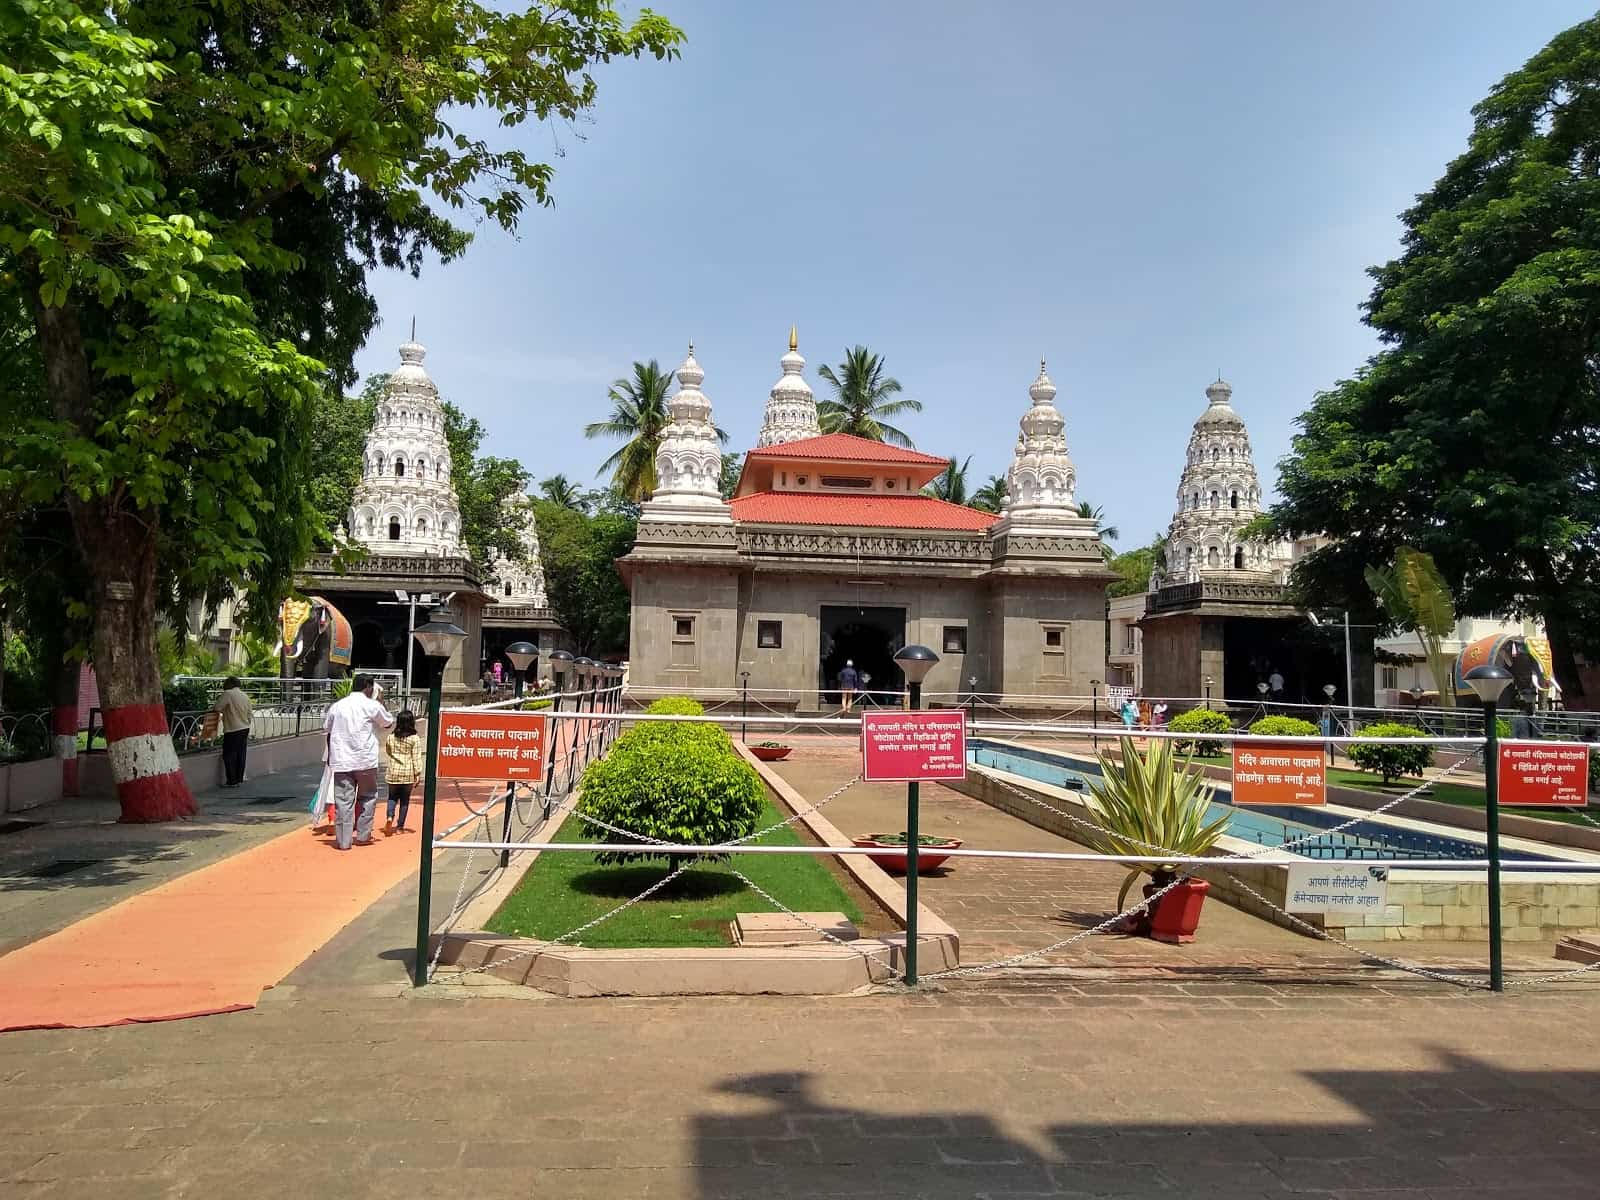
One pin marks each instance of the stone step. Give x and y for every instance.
(781, 929)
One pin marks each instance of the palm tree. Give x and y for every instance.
(639, 414)
(991, 497)
(1108, 533)
(861, 401)
(952, 485)
(558, 489)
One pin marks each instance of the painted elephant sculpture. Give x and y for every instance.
(317, 639)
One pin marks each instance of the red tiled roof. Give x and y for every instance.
(876, 512)
(846, 447)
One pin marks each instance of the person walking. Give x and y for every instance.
(402, 769)
(233, 706)
(1130, 714)
(351, 727)
(849, 680)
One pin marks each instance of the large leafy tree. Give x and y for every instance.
(1134, 567)
(1474, 434)
(863, 400)
(578, 553)
(490, 491)
(191, 195)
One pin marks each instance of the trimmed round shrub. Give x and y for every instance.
(674, 780)
(1391, 762)
(1200, 720)
(1285, 727)
(677, 706)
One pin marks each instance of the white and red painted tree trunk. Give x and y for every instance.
(64, 725)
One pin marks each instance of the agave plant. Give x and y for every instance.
(1152, 799)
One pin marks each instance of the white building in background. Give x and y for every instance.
(1219, 494)
(406, 503)
(1125, 648)
(1393, 681)
(520, 583)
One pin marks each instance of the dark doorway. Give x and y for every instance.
(369, 648)
(868, 637)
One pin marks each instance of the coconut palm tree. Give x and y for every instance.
(558, 489)
(952, 484)
(861, 403)
(991, 497)
(639, 414)
(1097, 514)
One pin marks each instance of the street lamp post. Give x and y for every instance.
(522, 656)
(1094, 713)
(583, 670)
(437, 640)
(1261, 690)
(560, 662)
(914, 662)
(1416, 701)
(1208, 693)
(972, 700)
(744, 704)
(1489, 682)
(1328, 690)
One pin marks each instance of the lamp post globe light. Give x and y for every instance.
(560, 662)
(1489, 682)
(440, 638)
(914, 662)
(522, 656)
(1208, 691)
(1416, 697)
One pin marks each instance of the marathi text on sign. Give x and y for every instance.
(492, 745)
(912, 747)
(1334, 887)
(1277, 773)
(1539, 774)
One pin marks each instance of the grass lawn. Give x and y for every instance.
(562, 891)
(1460, 794)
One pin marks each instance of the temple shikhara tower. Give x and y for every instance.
(406, 503)
(831, 551)
(1218, 621)
(1218, 496)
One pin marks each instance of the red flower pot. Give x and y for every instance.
(1177, 913)
(928, 856)
(771, 753)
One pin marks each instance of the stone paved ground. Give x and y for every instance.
(1237, 1091)
(1003, 907)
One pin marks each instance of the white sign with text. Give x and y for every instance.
(1337, 887)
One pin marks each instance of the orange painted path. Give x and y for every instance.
(212, 940)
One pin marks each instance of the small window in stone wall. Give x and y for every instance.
(769, 635)
(1052, 639)
(955, 639)
(683, 653)
(1054, 656)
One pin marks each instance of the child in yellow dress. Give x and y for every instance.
(402, 762)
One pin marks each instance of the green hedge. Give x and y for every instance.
(536, 705)
(678, 781)
(1201, 720)
(1284, 727)
(1391, 761)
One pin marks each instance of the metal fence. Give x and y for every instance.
(25, 736)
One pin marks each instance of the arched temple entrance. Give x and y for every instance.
(868, 637)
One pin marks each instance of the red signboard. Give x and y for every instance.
(913, 747)
(1538, 774)
(1278, 773)
(492, 745)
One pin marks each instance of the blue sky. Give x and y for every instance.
(1143, 193)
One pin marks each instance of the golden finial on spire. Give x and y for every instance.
(794, 337)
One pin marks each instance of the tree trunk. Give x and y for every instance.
(119, 552)
(1558, 629)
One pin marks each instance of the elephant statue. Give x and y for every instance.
(317, 639)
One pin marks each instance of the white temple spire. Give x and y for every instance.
(406, 502)
(791, 408)
(1219, 494)
(1041, 483)
(689, 458)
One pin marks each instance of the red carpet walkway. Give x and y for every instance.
(209, 941)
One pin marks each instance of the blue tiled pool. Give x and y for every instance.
(1264, 826)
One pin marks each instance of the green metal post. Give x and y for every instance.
(1491, 824)
(430, 791)
(913, 798)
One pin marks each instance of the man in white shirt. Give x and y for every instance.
(352, 726)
